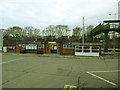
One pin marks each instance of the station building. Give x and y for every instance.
(63, 47)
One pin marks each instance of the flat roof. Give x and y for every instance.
(63, 41)
(111, 21)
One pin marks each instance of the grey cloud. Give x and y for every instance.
(45, 12)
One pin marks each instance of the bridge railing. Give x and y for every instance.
(114, 24)
(111, 26)
(106, 26)
(97, 29)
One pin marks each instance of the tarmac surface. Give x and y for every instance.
(55, 71)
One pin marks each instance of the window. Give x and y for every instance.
(31, 46)
(68, 46)
(71, 46)
(40, 45)
(64, 46)
(55, 47)
(76, 46)
(19, 45)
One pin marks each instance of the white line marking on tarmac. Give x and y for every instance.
(105, 71)
(11, 60)
(102, 79)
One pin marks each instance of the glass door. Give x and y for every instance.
(53, 48)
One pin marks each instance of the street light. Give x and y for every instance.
(115, 14)
(83, 33)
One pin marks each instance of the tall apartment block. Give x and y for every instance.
(119, 10)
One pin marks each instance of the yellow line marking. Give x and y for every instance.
(69, 86)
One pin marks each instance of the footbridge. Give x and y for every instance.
(105, 27)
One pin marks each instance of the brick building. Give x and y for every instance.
(64, 47)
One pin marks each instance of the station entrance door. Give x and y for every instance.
(53, 48)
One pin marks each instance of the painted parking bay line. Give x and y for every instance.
(102, 79)
(104, 71)
(12, 60)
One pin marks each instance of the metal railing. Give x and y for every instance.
(87, 50)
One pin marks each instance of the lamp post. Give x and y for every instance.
(83, 33)
(115, 14)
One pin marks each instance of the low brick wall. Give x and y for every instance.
(68, 51)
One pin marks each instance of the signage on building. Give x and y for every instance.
(51, 42)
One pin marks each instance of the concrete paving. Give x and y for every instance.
(55, 71)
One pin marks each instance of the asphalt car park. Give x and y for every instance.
(55, 71)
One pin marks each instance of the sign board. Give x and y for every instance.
(4, 49)
(51, 42)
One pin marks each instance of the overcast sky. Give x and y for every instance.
(41, 13)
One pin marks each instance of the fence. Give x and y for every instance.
(87, 50)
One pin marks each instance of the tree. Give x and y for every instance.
(88, 30)
(29, 31)
(58, 31)
(77, 31)
(36, 33)
(62, 30)
(15, 31)
(11, 35)
(50, 30)
(65, 30)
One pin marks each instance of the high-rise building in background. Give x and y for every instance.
(119, 10)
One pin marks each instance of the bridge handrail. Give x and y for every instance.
(97, 28)
(107, 26)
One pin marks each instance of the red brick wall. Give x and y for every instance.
(68, 51)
